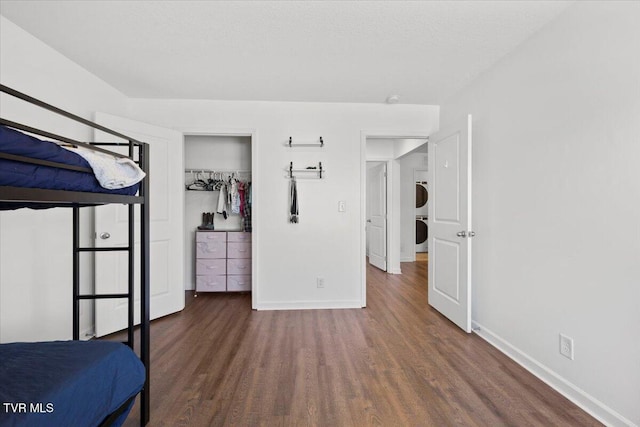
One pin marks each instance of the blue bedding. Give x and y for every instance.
(66, 383)
(18, 174)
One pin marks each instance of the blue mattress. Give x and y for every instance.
(66, 383)
(18, 174)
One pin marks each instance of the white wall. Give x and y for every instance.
(557, 204)
(213, 152)
(326, 242)
(35, 246)
(405, 146)
(378, 149)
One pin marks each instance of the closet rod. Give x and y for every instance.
(215, 171)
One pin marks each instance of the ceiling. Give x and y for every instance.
(316, 51)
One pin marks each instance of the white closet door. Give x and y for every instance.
(166, 212)
(377, 221)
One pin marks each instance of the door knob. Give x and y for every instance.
(105, 235)
(368, 220)
(461, 234)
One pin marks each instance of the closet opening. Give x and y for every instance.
(218, 212)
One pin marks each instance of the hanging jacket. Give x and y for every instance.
(222, 201)
(293, 217)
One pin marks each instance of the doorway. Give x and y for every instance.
(387, 149)
(214, 160)
(449, 217)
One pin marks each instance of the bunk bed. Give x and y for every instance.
(80, 383)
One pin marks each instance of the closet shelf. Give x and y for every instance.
(311, 169)
(320, 143)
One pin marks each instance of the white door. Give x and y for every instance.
(166, 214)
(449, 223)
(377, 216)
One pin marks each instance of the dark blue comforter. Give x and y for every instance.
(66, 383)
(18, 174)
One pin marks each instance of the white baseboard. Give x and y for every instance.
(408, 259)
(308, 305)
(395, 271)
(588, 403)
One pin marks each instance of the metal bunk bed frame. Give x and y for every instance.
(75, 199)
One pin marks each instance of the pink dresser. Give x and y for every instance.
(223, 261)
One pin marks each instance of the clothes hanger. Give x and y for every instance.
(197, 184)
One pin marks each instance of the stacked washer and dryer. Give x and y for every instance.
(422, 230)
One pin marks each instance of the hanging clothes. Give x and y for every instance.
(247, 207)
(235, 197)
(293, 217)
(229, 195)
(241, 194)
(222, 201)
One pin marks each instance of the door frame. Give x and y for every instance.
(255, 192)
(364, 135)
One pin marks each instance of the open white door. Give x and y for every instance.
(449, 223)
(166, 246)
(377, 215)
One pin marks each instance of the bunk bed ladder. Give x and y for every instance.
(78, 296)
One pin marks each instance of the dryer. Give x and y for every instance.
(422, 229)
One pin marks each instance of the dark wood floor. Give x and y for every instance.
(396, 363)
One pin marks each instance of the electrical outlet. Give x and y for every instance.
(320, 282)
(566, 346)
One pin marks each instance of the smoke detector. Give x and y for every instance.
(393, 99)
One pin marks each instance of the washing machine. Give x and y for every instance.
(422, 229)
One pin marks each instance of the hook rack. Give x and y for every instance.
(320, 143)
(313, 169)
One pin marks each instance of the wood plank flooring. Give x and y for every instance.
(396, 363)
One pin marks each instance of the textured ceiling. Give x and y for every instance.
(318, 51)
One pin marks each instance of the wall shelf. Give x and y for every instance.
(319, 143)
(311, 169)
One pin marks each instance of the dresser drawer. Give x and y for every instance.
(239, 283)
(239, 266)
(211, 266)
(213, 249)
(238, 236)
(211, 236)
(211, 283)
(239, 250)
